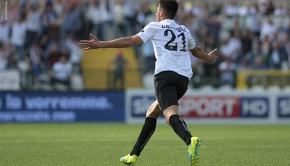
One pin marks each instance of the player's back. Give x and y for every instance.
(171, 43)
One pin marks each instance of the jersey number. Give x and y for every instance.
(173, 37)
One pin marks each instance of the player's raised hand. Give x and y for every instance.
(211, 56)
(90, 44)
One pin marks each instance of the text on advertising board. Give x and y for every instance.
(61, 106)
(209, 106)
(283, 104)
(255, 107)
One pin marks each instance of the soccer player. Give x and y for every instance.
(172, 73)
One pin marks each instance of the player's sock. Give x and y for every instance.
(146, 133)
(180, 128)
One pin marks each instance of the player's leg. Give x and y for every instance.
(170, 88)
(180, 128)
(147, 131)
(148, 128)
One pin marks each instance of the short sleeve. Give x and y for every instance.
(147, 32)
(191, 42)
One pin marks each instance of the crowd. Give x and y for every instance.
(253, 35)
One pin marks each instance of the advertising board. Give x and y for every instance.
(61, 106)
(212, 107)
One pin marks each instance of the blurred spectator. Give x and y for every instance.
(61, 72)
(51, 39)
(262, 6)
(277, 56)
(231, 47)
(286, 29)
(231, 8)
(214, 27)
(244, 65)
(53, 54)
(58, 5)
(72, 22)
(143, 14)
(198, 9)
(33, 23)
(268, 29)
(197, 68)
(236, 29)
(107, 17)
(149, 57)
(281, 9)
(48, 17)
(53, 35)
(235, 45)
(209, 43)
(227, 72)
(11, 60)
(75, 52)
(265, 49)
(287, 49)
(120, 63)
(35, 55)
(269, 7)
(94, 16)
(216, 7)
(119, 18)
(225, 48)
(13, 12)
(245, 9)
(4, 29)
(3, 58)
(259, 63)
(130, 12)
(254, 20)
(18, 37)
(246, 41)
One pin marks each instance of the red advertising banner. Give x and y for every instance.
(210, 106)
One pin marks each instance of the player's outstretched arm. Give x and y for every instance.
(117, 43)
(199, 53)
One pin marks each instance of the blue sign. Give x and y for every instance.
(254, 107)
(61, 106)
(283, 106)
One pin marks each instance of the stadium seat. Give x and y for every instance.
(286, 88)
(22, 66)
(77, 82)
(258, 88)
(226, 88)
(46, 87)
(207, 88)
(274, 88)
(60, 87)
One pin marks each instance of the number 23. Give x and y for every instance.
(173, 37)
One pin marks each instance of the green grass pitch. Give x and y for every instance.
(102, 144)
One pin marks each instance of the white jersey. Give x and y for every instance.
(171, 44)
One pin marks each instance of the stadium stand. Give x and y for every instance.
(243, 31)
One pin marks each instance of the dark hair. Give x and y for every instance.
(169, 7)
